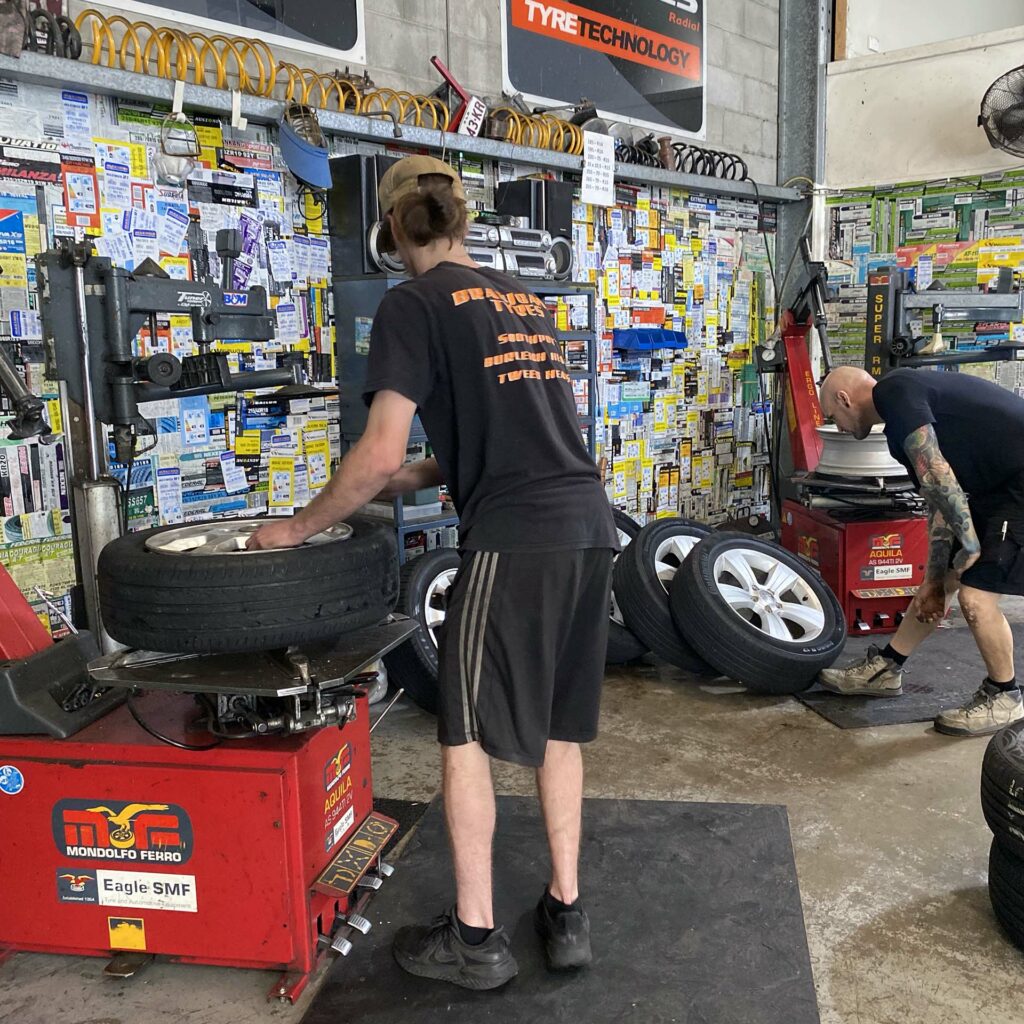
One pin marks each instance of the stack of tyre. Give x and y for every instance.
(722, 604)
(1002, 800)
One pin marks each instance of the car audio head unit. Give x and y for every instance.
(483, 234)
(525, 238)
(530, 264)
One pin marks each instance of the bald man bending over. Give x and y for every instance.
(962, 441)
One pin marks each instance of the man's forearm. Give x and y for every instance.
(414, 476)
(940, 546)
(940, 487)
(360, 477)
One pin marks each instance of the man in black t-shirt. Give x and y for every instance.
(522, 648)
(962, 442)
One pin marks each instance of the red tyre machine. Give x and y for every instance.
(130, 831)
(856, 518)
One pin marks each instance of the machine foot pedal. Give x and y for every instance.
(127, 965)
(360, 923)
(386, 870)
(349, 867)
(341, 945)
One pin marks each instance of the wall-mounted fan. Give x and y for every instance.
(1002, 112)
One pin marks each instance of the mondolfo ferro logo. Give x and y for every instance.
(122, 830)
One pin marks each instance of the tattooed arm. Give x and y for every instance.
(950, 517)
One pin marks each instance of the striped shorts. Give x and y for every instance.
(522, 651)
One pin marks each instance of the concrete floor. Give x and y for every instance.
(891, 850)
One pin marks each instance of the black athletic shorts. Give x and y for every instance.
(999, 522)
(522, 651)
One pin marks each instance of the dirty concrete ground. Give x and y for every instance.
(891, 851)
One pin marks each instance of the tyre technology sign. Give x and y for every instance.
(638, 61)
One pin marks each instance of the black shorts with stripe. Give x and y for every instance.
(522, 651)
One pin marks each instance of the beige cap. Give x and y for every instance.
(403, 179)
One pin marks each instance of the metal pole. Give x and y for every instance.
(79, 258)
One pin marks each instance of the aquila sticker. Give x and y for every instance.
(122, 831)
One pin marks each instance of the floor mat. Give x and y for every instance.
(694, 909)
(943, 673)
(406, 812)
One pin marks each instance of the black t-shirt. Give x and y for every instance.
(479, 357)
(979, 425)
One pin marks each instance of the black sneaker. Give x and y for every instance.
(566, 936)
(437, 951)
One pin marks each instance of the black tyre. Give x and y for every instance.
(194, 590)
(757, 613)
(642, 574)
(425, 582)
(623, 645)
(1002, 787)
(1006, 890)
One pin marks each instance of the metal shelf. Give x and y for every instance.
(412, 526)
(57, 72)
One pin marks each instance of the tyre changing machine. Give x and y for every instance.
(260, 852)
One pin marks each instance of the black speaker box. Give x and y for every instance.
(548, 204)
(353, 211)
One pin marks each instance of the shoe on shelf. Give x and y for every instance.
(872, 676)
(566, 937)
(988, 711)
(437, 951)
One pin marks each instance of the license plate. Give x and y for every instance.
(351, 862)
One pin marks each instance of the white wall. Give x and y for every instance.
(879, 26)
(912, 115)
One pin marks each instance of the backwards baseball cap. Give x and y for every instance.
(403, 179)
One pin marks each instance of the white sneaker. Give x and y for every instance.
(873, 676)
(988, 711)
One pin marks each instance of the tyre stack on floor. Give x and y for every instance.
(1002, 800)
(727, 604)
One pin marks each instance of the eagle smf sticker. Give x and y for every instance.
(12, 782)
(136, 889)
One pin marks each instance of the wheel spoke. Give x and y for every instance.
(666, 571)
(774, 626)
(433, 617)
(735, 597)
(781, 579)
(809, 619)
(681, 547)
(737, 566)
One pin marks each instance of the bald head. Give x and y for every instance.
(846, 398)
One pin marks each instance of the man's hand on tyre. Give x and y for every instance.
(281, 534)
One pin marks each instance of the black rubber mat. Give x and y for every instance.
(694, 908)
(943, 673)
(406, 812)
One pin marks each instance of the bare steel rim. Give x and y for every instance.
(435, 602)
(770, 595)
(228, 538)
(670, 555)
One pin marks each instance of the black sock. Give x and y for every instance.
(554, 906)
(894, 655)
(471, 935)
(1005, 687)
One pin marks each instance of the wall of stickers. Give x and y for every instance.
(684, 284)
(956, 232)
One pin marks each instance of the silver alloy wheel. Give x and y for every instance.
(769, 595)
(435, 603)
(616, 613)
(670, 555)
(227, 538)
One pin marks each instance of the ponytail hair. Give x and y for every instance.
(430, 213)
